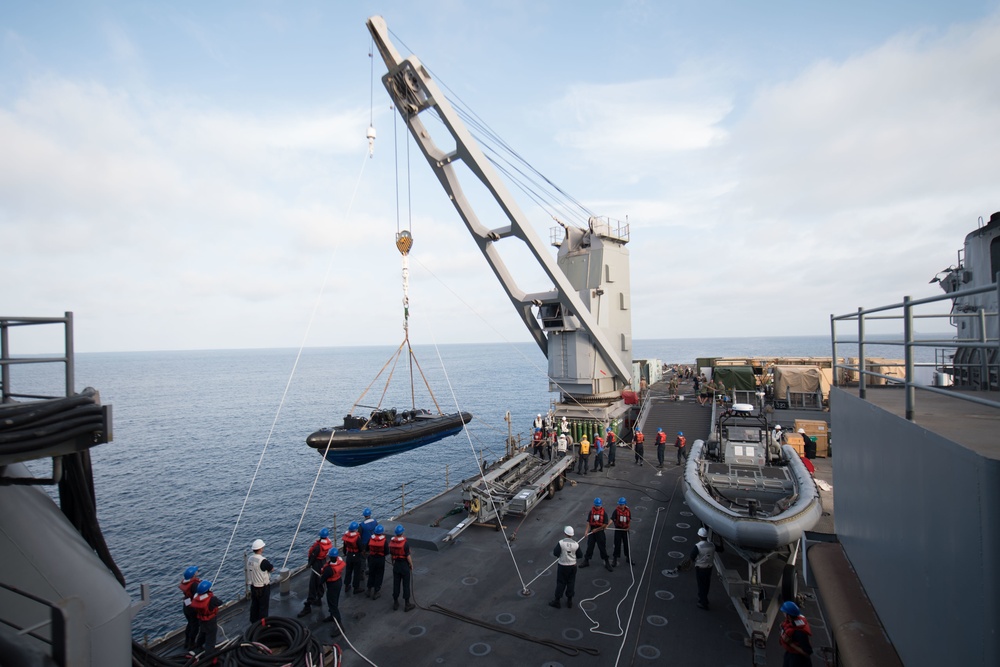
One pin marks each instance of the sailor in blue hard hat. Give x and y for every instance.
(367, 529)
(795, 636)
(597, 521)
(206, 606)
(378, 547)
(354, 573)
(189, 587)
(332, 575)
(682, 449)
(621, 518)
(402, 565)
(316, 558)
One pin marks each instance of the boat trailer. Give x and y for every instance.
(514, 486)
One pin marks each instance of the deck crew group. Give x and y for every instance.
(357, 567)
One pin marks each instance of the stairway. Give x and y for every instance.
(686, 416)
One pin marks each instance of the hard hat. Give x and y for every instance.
(802, 431)
(597, 502)
(680, 432)
(777, 427)
(702, 532)
(354, 525)
(204, 587)
(367, 513)
(658, 430)
(325, 532)
(621, 501)
(190, 572)
(379, 529)
(539, 414)
(568, 530)
(790, 608)
(399, 529)
(257, 545)
(609, 430)
(333, 553)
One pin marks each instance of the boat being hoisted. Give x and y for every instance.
(360, 440)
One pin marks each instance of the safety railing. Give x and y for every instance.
(7, 360)
(66, 642)
(906, 313)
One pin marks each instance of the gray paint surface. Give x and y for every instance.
(917, 514)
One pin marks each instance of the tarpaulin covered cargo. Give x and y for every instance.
(800, 379)
(740, 378)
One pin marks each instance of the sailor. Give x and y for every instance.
(352, 556)
(584, 455)
(681, 444)
(703, 556)
(332, 575)
(377, 550)
(537, 441)
(778, 434)
(794, 637)
(568, 552)
(564, 425)
(367, 530)
(259, 575)
(189, 587)
(206, 606)
(402, 564)
(562, 445)
(661, 446)
(640, 438)
(611, 442)
(597, 521)
(538, 422)
(317, 557)
(599, 455)
(622, 520)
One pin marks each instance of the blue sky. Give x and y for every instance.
(192, 175)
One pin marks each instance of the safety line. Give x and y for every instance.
(284, 394)
(355, 648)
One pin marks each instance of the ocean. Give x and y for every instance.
(206, 439)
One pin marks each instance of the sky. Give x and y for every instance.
(192, 175)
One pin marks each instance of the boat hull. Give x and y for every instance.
(754, 533)
(354, 447)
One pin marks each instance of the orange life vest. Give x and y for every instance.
(352, 542)
(622, 517)
(596, 518)
(376, 546)
(397, 547)
(333, 570)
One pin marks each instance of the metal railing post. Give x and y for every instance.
(984, 371)
(833, 345)
(862, 366)
(4, 368)
(908, 356)
(70, 357)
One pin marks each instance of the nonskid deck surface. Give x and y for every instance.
(641, 615)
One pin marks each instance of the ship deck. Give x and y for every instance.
(479, 602)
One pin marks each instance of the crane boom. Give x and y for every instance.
(588, 347)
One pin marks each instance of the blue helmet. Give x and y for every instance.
(190, 572)
(597, 502)
(204, 587)
(379, 529)
(790, 608)
(333, 553)
(680, 432)
(367, 513)
(354, 525)
(399, 529)
(658, 430)
(324, 533)
(609, 430)
(621, 501)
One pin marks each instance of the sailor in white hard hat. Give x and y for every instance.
(259, 575)
(703, 556)
(568, 551)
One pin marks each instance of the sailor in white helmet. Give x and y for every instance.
(568, 551)
(703, 556)
(259, 575)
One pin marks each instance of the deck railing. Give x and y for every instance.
(904, 312)
(6, 360)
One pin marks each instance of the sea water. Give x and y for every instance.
(209, 447)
